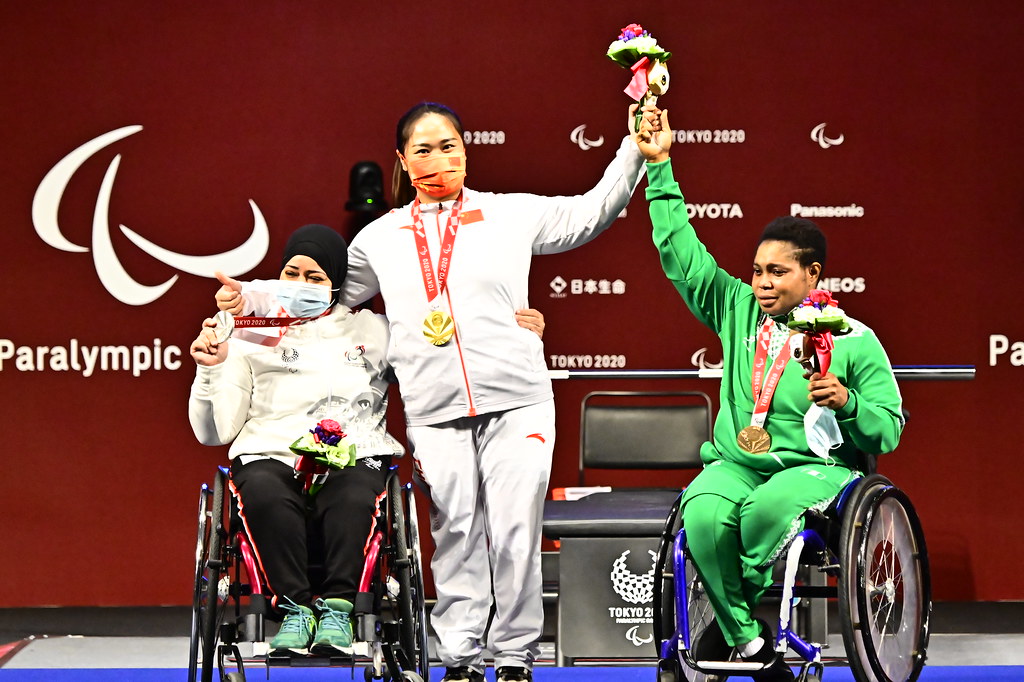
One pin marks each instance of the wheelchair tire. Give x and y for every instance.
(202, 551)
(209, 607)
(419, 600)
(884, 585)
(666, 621)
(851, 525)
(412, 656)
(664, 611)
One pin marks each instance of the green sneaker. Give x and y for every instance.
(296, 631)
(334, 634)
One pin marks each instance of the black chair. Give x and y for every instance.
(605, 607)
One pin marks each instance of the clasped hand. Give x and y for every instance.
(655, 135)
(205, 349)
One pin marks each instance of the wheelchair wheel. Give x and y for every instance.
(416, 582)
(664, 625)
(202, 551)
(666, 620)
(206, 607)
(884, 585)
(412, 656)
(851, 526)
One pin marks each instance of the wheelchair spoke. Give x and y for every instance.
(890, 541)
(893, 594)
(701, 613)
(884, 587)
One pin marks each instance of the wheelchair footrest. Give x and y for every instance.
(310, 661)
(732, 666)
(738, 666)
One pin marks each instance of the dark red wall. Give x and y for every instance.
(275, 101)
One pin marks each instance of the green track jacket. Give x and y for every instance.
(870, 422)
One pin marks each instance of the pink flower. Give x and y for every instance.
(631, 31)
(820, 298)
(331, 427)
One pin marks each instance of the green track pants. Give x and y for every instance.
(737, 522)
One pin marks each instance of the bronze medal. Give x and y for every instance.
(754, 439)
(439, 327)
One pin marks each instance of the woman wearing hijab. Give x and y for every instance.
(261, 398)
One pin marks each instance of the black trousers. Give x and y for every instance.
(284, 524)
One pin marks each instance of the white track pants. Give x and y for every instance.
(487, 477)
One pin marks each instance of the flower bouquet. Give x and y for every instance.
(322, 448)
(816, 320)
(638, 51)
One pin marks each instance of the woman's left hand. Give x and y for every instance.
(206, 350)
(531, 319)
(826, 391)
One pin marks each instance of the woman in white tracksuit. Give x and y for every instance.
(452, 266)
(262, 397)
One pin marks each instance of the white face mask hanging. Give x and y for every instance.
(822, 430)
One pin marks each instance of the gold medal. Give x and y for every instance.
(754, 439)
(439, 328)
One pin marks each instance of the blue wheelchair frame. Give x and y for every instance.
(857, 504)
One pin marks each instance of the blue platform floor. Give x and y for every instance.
(153, 659)
(968, 642)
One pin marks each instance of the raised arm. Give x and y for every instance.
(709, 291)
(564, 223)
(243, 298)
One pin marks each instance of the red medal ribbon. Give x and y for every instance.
(307, 467)
(763, 396)
(242, 322)
(434, 285)
(282, 323)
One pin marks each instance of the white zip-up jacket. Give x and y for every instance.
(492, 364)
(261, 399)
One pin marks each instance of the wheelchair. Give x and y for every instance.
(230, 600)
(870, 549)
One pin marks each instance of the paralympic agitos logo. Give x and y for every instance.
(112, 275)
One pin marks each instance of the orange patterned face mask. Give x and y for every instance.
(438, 175)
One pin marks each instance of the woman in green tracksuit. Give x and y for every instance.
(760, 473)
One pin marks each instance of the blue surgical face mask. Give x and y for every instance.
(303, 300)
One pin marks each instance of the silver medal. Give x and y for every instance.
(225, 325)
